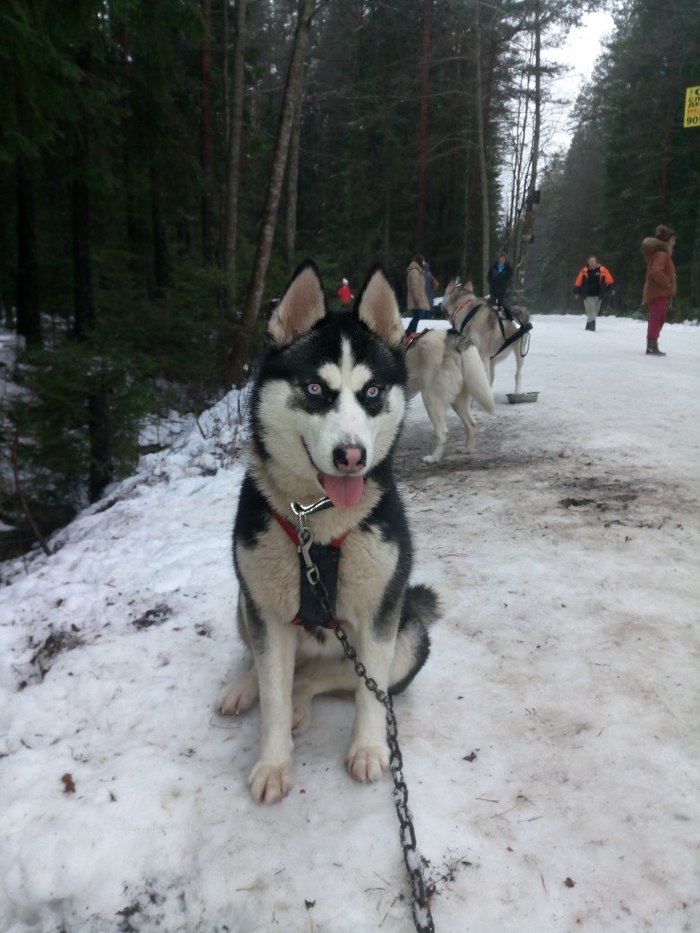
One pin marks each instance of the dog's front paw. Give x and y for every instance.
(269, 783)
(428, 458)
(367, 763)
(239, 695)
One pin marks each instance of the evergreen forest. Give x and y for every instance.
(166, 164)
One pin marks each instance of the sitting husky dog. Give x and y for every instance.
(488, 327)
(326, 410)
(446, 369)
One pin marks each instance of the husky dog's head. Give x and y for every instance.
(457, 294)
(330, 394)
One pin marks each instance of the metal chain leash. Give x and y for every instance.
(420, 907)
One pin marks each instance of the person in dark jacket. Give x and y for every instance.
(593, 283)
(499, 276)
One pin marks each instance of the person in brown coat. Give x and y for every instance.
(416, 297)
(659, 284)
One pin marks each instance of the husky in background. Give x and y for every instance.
(326, 411)
(445, 367)
(487, 327)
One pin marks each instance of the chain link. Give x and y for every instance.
(422, 917)
(420, 907)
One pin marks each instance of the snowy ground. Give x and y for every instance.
(550, 744)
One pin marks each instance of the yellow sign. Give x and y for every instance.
(692, 106)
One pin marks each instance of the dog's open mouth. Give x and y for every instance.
(343, 491)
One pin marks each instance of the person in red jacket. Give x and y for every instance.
(344, 293)
(659, 284)
(593, 283)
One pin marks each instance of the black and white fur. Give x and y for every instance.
(327, 407)
(484, 329)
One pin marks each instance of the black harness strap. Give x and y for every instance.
(507, 341)
(518, 335)
(471, 314)
(326, 557)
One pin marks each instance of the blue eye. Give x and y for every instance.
(373, 392)
(314, 389)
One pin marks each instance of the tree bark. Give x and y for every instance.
(290, 100)
(529, 215)
(28, 317)
(481, 149)
(235, 136)
(101, 462)
(83, 308)
(423, 128)
(206, 141)
(292, 189)
(161, 262)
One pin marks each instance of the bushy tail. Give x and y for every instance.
(421, 606)
(475, 378)
(422, 603)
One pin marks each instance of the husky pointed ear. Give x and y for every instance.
(302, 305)
(378, 308)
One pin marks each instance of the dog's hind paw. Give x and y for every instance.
(269, 783)
(240, 695)
(301, 717)
(367, 763)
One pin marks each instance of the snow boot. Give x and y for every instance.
(590, 325)
(653, 348)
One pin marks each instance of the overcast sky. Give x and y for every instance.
(580, 52)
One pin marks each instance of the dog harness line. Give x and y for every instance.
(471, 313)
(315, 561)
(420, 907)
(518, 335)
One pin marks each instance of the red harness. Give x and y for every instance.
(411, 338)
(294, 537)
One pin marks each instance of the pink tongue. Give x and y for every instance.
(343, 491)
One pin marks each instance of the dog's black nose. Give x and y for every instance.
(349, 458)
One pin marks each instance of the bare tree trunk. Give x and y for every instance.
(695, 263)
(100, 433)
(206, 142)
(292, 189)
(665, 159)
(537, 129)
(84, 311)
(161, 263)
(465, 228)
(28, 317)
(386, 239)
(481, 147)
(290, 100)
(234, 156)
(19, 491)
(423, 129)
(529, 219)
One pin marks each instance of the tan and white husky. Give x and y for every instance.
(487, 327)
(445, 367)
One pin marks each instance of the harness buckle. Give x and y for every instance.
(313, 574)
(301, 511)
